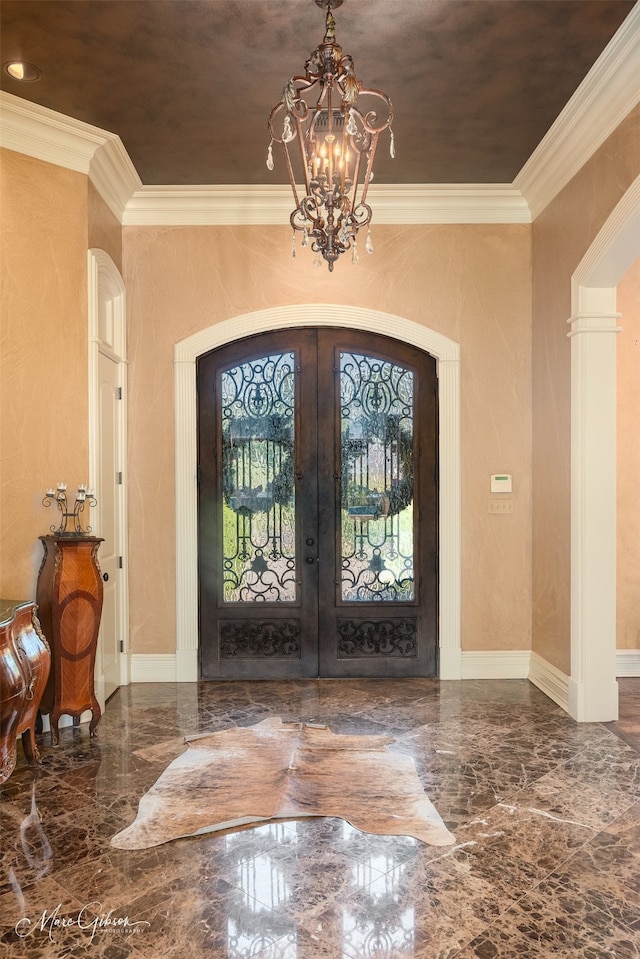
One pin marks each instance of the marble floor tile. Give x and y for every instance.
(564, 921)
(546, 815)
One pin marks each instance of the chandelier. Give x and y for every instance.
(327, 122)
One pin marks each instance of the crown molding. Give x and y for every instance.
(606, 96)
(38, 132)
(237, 205)
(114, 176)
(46, 135)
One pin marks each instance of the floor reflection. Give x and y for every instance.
(30, 854)
(383, 923)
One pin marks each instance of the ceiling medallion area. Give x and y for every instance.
(328, 124)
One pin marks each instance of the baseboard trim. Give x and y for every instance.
(153, 668)
(495, 664)
(475, 664)
(550, 680)
(627, 663)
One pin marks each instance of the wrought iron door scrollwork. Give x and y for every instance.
(258, 480)
(368, 638)
(275, 639)
(377, 479)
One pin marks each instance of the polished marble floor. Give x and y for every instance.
(546, 815)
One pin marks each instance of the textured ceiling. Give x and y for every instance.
(188, 84)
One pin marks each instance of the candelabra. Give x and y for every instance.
(70, 519)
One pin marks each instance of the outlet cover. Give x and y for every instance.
(501, 506)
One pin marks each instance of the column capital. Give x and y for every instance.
(594, 323)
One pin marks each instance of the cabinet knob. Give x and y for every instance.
(105, 577)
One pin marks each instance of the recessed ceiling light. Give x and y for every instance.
(19, 70)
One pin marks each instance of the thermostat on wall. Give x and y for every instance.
(501, 483)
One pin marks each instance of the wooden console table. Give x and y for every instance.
(25, 660)
(69, 597)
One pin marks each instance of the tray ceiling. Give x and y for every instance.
(188, 84)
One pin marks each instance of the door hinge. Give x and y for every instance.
(119, 479)
(119, 562)
(119, 396)
(122, 645)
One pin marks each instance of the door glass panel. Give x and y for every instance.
(258, 540)
(376, 453)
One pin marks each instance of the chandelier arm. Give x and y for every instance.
(370, 159)
(274, 136)
(306, 213)
(303, 158)
(302, 84)
(372, 115)
(356, 174)
(292, 178)
(362, 214)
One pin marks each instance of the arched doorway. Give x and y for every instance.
(447, 355)
(593, 690)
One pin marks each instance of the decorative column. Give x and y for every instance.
(186, 454)
(450, 529)
(593, 690)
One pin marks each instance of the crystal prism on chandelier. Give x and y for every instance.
(330, 124)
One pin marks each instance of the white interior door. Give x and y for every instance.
(109, 482)
(107, 455)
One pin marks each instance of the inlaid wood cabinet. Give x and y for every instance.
(69, 597)
(24, 668)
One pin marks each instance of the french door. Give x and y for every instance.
(317, 507)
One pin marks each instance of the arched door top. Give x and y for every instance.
(186, 352)
(317, 314)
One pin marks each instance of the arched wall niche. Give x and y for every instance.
(186, 352)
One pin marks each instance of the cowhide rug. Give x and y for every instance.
(277, 770)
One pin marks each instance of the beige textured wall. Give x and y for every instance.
(561, 236)
(471, 283)
(43, 355)
(628, 438)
